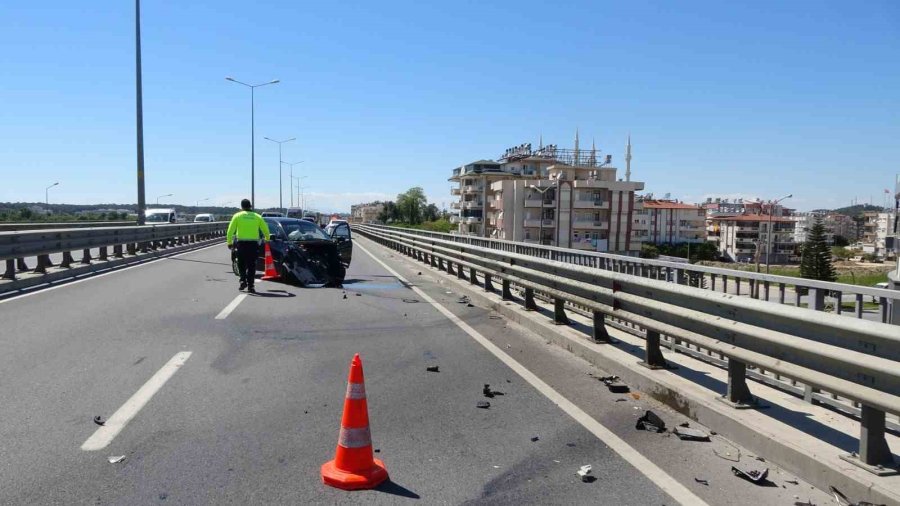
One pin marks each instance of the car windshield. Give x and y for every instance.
(157, 218)
(303, 231)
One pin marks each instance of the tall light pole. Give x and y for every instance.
(202, 200)
(291, 165)
(537, 188)
(47, 194)
(141, 201)
(280, 178)
(161, 196)
(769, 235)
(299, 178)
(252, 132)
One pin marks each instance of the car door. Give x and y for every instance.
(341, 236)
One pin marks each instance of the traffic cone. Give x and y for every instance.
(354, 466)
(271, 274)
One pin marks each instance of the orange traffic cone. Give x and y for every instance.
(354, 467)
(271, 274)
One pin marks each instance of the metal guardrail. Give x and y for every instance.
(819, 295)
(855, 359)
(40, 225)
(16, 247)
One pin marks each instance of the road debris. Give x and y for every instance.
(752, 475)
(650, 422)
(615, 385)
(571, 445)
(463, 300)
(359, 295)
(621, 400)
(495, 317)
(760, 459)
(420, 273)
(585, 473)
(433, 368)
(636, 396)
(702, 481)
(345, 295)
(842, 500)
(483, 405)
(792, 482)
(377, 450)
(411, 301)
(487, 392)
(116, 459)
(535, 439)
(470, 305)
(99, 420)
(689, 434)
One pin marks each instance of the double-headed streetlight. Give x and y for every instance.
(161, 196)
(542, 192)
(291, 165)
(280, 178)
(252, 132)
(47, 193)
(769, 234)
(299, 203)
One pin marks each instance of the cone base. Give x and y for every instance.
(370, 478)
(274, 277)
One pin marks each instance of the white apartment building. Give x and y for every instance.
(743, 237)
(835, 225)
(365, 213)
(669, 222)
(877, 226)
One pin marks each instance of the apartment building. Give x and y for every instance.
(876, 227)
(365, 213)
(669, 221)
(835, 225)
(743, 237)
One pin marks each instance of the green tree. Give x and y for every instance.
(649, 251)
(411, 204)
(841, 253)
(389, 213)
(841, 241)
(431, 212)
(816, 257)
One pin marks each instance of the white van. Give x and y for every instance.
(160, 216)
(204, 218)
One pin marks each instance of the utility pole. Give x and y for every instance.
(141, 204)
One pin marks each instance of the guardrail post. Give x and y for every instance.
(766, 290)
(839, 302)
(559, 312)
(143, 247)
(781, 288)
(460, 271)
(737, 285)
(874, 454)
(601, 334)
(450, 267)
(21, 266)
(67, 260)
(488, 286)
(506, 292)
(530, 305)
(724, 283)
(434, 262)
(883, 305)
(86, 256)
(10, 270)
(816, 299)
(754, 288)
(653, 357)
(440, 265)
(679, 276)
(712, 282)
(104, 255)
(117, 251)
(43, 261)
(473, 278)
(738, 394)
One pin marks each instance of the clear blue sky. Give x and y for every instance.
(721, 98)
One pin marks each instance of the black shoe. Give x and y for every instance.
(251, 290)
(243, 286)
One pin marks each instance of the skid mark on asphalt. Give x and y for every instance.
(653, 472)
(105, 434)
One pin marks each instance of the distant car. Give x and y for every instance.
(883, 284)
(337, 221)
(294, 212)
(303, 253)
(160, 216)
(272, 214)
(311, 219)
(204, 218)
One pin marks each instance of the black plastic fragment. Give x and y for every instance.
(650, 422)
(433, 368)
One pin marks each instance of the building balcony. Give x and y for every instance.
(472, 204)
(455, 191)
(534, 222)
(471, 219)
(455, 205)
(472, 189)
(537, 203)
(455, 219)
(589, 224)
(590, 204)
(495, 204)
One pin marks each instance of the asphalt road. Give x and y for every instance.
(255, 408)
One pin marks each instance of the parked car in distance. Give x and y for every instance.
(204, 218)
(294, 212)
(271, 214)
(883, 284)
(160, 216)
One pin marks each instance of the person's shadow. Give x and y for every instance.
(273, 293)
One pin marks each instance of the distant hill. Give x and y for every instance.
(854, 211)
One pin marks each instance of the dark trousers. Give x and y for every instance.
(247, 252)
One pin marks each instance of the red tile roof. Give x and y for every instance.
(751, 217)
(668, 204)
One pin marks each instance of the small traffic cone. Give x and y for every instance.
(271, 274)
(354, 466)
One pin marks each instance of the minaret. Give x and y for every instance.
(593, 159)
(541, 142)
(628, 159)
(576, 161)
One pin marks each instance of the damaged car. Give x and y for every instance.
(305, 254)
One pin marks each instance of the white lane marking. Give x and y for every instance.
(230, 307)
(88, 277)
(105, 434)
(665, 482)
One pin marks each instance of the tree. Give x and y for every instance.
(649, 251)
(431, 212)
(411, 204)
(816, 257)
(841, 253)
(389, 213)
(841, 241)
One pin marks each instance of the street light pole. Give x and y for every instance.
(202, 200)
(47, 194)
(252, 131)
(769, 235)
(280, 177)
(291, 165)
(141, 200)
(298, 178)
(161, 196)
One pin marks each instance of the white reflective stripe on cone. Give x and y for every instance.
(356, 391)
(355, 438)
